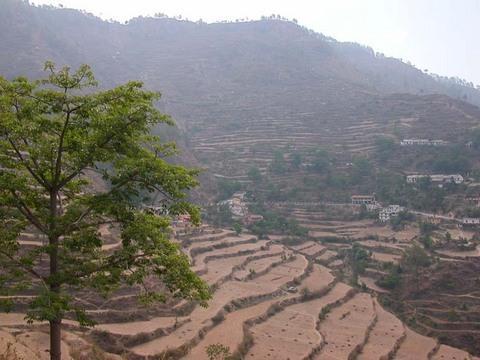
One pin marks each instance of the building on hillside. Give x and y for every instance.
(390, 211)
(471, 221)
(437, 178)
(452, 178)
(422, 142)
(239, 195)
(252, 218)
(473, 200)
(236, 206)
(160, 209)
(363, 200)
(373, 207)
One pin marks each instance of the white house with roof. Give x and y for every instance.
(436, 178)
(390, 211)
(471, 221)
(363, 200)
(422, 142)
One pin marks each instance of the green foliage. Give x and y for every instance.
(427, 242)
(55, 132)
(278, 164)
(426, 228)
(254, 174)
(415, 258)
(219, 215)
(392, 279)
(475, 136)
(362, 167)
(226, 188)
(358, 259)
(296, 160)
(273, 223)
(237, 227)
(321, 161)
(402, 219)
(451, 161)
(385, 147)
(218, 352)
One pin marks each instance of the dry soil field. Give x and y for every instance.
(270, 301)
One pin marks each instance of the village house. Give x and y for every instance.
(422, 142)
(471, 221)
(363, 200)
(390, 211)
(437, 178)
(474, 200)
(373, 207)
(252, 218)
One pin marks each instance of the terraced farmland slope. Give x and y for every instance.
(253, 311)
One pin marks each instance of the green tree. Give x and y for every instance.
(254, 174)
(278, 164)
(237, 227)
(385, 147)
(321, 161)
(362, 167)
(54, 134)
(413, 260)
(358, 259)
(296, 160)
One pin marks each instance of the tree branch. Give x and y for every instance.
(25, 163)
(24, 209)
(22, 265)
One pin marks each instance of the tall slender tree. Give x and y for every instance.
(56, 136)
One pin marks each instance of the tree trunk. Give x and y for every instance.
(55, 325)
(55, 340)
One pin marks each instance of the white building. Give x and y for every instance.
(471, 221)
(236, 206)
(373, 207)
(363, 200)
(422, 142)
(437, 178)
(390, 211)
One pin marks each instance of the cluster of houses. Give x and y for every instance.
(422, 142)
(470, 221)
(437, 178)
(239, 209)
(474, 200)
(162, 210)
(384, 213)
(390, 211)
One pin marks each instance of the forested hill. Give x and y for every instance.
(241, 92)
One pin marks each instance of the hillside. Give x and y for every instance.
(294, 123)
(243, 92)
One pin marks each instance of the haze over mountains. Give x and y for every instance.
(262, 82)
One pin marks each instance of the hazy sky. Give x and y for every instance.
(442, 36)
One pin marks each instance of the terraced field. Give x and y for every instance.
(253, 311)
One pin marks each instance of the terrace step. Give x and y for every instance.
(291, 333)
(415, 346)
(202, 320)
(385, 336)
(347, 327)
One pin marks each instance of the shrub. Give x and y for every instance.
(218, 352)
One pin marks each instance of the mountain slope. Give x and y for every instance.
(241, 92)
